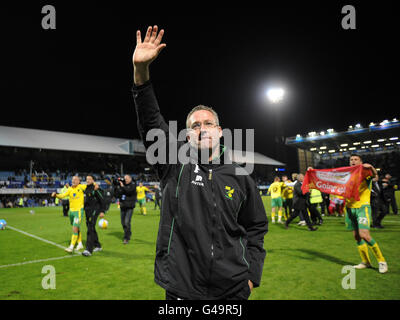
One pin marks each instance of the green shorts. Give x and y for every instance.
(75, 217)
(142, 202)
(358, 218)
(277, 202)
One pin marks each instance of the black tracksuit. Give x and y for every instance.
(127, 201)
(157, 199)
(209, 244)
(94, 204)
(300, 202)
(108, 195)
(389, 196)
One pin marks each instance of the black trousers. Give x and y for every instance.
(315, 215)
(157, 202)
(242, 294)
(126, 216)
(302, 213)
(325, 206)
(288, 205)
(393, 204)
(92, 240)
(65, 205)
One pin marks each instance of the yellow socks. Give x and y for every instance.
(79, 240)
(376, 250)
(74, 238)
(363, 250)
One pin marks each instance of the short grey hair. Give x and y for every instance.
(202, 107)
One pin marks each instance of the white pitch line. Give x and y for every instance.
(35, 261)
(36, 237)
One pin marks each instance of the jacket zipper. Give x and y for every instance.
(213, 218)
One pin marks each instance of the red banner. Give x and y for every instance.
(344, 181)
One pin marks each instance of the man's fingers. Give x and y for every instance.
(138, 37)
(160, 48)
(154, 34)
(159, 37)
(148, 34)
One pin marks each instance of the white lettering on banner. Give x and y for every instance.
(331, 188)
(336, 177)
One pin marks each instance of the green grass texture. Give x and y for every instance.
(299, 264)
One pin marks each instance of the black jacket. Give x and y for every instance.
(300, 200)
(108, 196)
(94, 199)
(388, 190)
(209, 244)
(376, 193)
(127, 195)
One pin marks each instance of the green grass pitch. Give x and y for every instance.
(299, 264)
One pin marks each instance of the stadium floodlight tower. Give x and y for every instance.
(275, 96)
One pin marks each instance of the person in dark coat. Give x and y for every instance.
(300, 201)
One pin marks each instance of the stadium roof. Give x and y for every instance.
(44, 139)
(376, 137)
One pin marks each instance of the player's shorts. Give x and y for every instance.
(358, 218)
(142, 202)
(276, 202)
(75, 217)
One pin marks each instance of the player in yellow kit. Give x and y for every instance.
(287, 196)
(358, 219)
(141, 197)
(275, 189)
(76, 194)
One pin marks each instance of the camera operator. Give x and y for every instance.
(126, 192)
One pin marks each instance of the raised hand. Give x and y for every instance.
(148, 50)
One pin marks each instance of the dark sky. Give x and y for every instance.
(77, 78)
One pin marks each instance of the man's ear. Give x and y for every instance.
(220, 132)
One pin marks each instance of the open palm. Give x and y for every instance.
(148, 50)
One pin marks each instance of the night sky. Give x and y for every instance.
(77, 78)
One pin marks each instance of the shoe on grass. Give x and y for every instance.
(362, 265)
(86, 253)
(70, 249)
(383, 267)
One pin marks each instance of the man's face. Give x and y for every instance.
(128, 179)
(355, 161)
(284, 178)
(89, 180)
(75, 181)
(204, 132)
(388, 176)
(300, 177)
(140, 184)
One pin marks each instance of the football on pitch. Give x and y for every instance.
(3, 224)
(103, 223)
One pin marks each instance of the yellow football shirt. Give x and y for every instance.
(141, 192)
(76, 197)
(276, 189)
(287, 192)
(365, 195)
